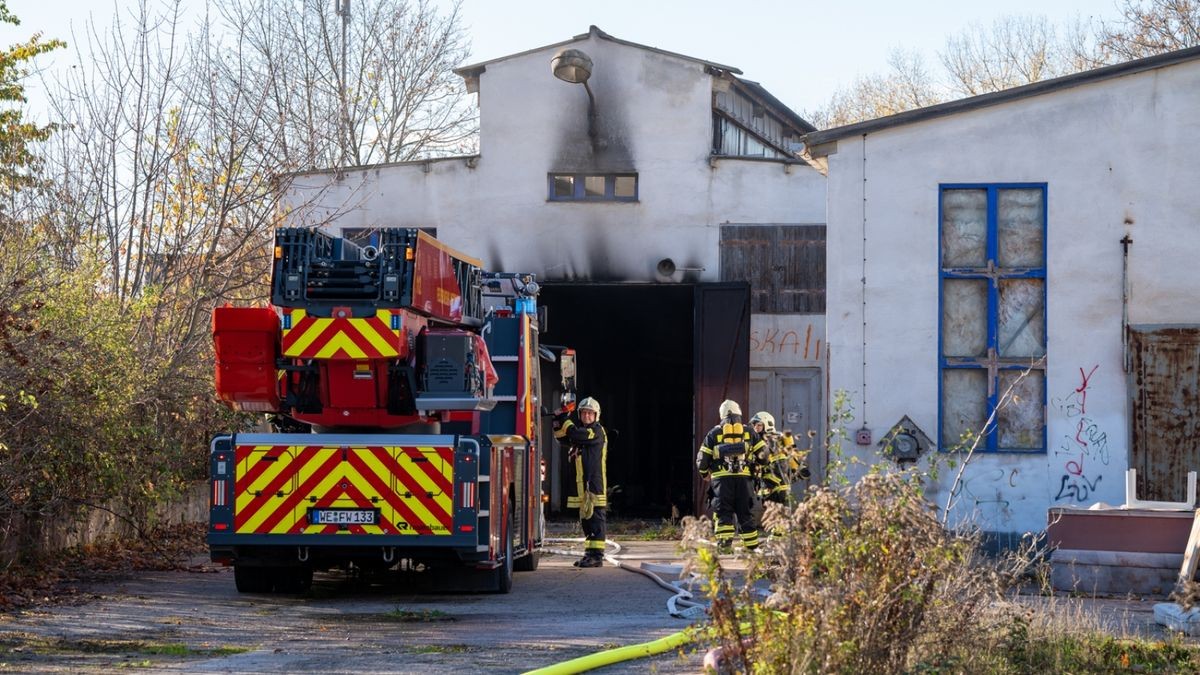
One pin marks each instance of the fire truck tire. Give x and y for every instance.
(293, 579)
(252, 579)
(504, 573)
(527, 562)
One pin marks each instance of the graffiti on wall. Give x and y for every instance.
(777, 341)
(987, 490)
(1084, 450)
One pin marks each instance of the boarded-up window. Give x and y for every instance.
(784, 264)
(993, 317)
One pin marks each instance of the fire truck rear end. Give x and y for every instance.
(403, 384)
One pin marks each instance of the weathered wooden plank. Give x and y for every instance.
(784, 264)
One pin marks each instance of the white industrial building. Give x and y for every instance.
(1045, 236)
(679, 237)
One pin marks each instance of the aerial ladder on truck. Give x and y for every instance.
(403, 384)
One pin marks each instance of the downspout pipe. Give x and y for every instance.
(1126, 242)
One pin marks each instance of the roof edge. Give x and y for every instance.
(760, 91)
(1004, 96)
(381, 165)
(593, 31)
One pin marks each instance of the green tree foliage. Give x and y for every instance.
(154, 200)
(102, 396)
(93, 418)
(17, 134)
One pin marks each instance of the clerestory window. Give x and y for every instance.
(588, 187)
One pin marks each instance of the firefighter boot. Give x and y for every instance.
(724, 537)
(590, 560)
(750, 540)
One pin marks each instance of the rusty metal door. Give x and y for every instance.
(1165, 384)
(721, 359)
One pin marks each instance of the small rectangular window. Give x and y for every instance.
(564, 187)
(593, 187)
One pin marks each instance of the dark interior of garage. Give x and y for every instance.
(634, 346)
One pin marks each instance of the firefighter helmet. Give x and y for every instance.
(766, 419)
(592, 404)
(729, 408)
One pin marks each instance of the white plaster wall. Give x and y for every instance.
(655, 114)
(1118, 158)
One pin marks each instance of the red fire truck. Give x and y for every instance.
(403, 387)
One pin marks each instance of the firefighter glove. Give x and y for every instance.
(587, 507)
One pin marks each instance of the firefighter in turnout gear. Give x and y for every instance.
(587, 445)
(774, 479)
(727, 456)
(796, 459)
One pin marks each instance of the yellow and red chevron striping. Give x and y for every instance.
(326, 338)
(276, 514)
(256, 469)
(411, 486)
(439, 478)
(359, 500)
(406, 512)
(436, 476)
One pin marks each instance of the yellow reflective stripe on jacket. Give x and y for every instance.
(561, 432)
(574, 502)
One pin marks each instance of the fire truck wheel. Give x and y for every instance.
(293, 579)
(504, 573)
(527, 562)
(252, 579)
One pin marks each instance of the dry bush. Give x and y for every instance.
(862, 578)
(1059, 634)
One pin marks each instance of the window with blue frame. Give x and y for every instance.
(584, 187)
(992, 337)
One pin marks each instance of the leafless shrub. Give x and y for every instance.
(862, 578)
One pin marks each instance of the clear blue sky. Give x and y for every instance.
(802, 51)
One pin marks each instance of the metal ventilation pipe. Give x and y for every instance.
(575, 67)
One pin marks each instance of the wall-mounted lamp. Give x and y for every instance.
(666, 268)
(575, 67)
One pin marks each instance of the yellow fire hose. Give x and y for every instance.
(611, 656)
(628, 652)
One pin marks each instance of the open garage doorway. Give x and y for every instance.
(660, 358)
(634, 347)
